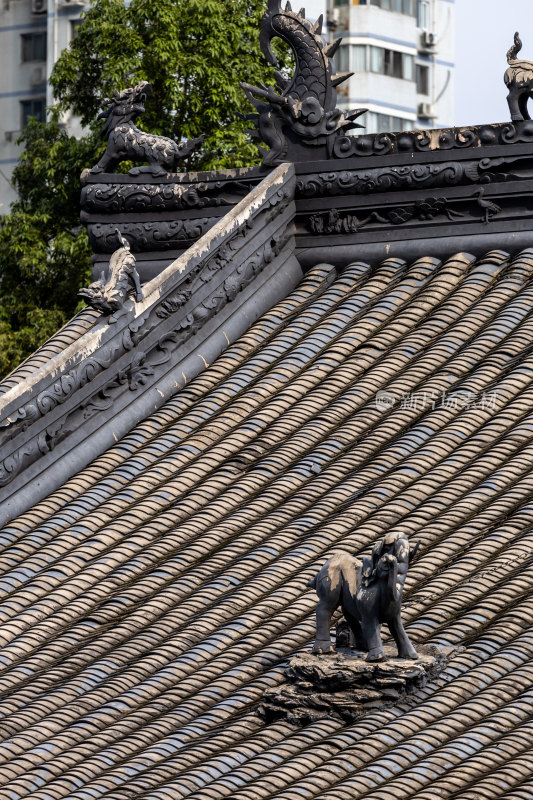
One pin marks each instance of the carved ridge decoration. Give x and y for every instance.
(302, 109)
(154, 235)
(518, 78)
(333, 222)
(427, 141)
(129, 197)
(143, 363)
(110, 296)
(385, 179)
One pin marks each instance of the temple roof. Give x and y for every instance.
(148, 603)
(280, 362)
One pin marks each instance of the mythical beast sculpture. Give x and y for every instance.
(304, 108)
(518, 78)
(369, 593)
(126, 141)
(110, 296)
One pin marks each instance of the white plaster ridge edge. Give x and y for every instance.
(90, 342)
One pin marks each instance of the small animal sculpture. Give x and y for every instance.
(110, 296)
(126, 141)
(488, 208)
(369, 593)
(518, 78)
(304, 107)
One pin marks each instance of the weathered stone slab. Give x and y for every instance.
(343, 684)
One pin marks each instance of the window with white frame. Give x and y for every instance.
(362, 58)
(423, 14)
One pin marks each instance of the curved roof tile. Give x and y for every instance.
(147, 604)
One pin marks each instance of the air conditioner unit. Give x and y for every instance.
(428, 40)
(39, 6)
(426, 111)
(72, 3)
(38, 75)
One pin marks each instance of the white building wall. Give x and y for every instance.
(24, 74)
(418, 57)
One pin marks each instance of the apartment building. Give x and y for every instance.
(402, 55)
(32, 35)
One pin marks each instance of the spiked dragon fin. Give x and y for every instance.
(340, 77)
(317, 27)
(332, 48)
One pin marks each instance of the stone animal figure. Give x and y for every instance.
(518, 78)
(111, 295)
(126, 141)
(305, 106)
(369, 593)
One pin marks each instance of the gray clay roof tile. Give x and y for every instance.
(149, 602)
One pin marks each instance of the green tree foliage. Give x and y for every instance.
(194, 53)
(44, 252)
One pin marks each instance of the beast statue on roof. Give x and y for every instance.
(125, 141)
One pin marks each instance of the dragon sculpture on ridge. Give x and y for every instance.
(110, 295)
(126, 141)
(304, 108)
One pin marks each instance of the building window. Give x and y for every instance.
(341, 2)
(392, 63)
(399, 6)
(423, 14)
(74, 25)
(386, 123)
(351, 58)
(377, 59)
(408, 67)
(358, 52)
(422, 79)
(342, 59)
(34, 46)
(32, 108)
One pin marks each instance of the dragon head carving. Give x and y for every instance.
(124, 106)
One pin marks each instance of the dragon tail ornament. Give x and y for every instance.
(301, 110)
(514, 49)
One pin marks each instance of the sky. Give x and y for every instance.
(484, 31)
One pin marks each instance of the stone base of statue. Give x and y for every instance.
(344, 685)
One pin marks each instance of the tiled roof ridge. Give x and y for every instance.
(175, 623)
(315, 282)
(65, 336)
(99, 387)
(390, 267)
